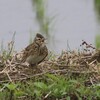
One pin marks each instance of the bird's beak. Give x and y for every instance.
(45, 41)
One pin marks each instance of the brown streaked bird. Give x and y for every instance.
(35, 52)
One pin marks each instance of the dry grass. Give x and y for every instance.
(86, 61)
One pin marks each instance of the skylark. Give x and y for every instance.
(35, 52)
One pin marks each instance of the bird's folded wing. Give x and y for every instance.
(29, 50)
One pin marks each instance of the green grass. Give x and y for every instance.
(7, 52)
(50, 87)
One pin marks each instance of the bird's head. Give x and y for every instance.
(39, 39)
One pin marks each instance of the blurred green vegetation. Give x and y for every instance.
(97, 41)
(6, 52)
(44, 21)
(50, 87)
(97, 8)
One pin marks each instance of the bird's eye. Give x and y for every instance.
(39, 39)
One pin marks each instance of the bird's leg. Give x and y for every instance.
(34, 67)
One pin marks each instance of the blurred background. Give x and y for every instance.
(65, 23)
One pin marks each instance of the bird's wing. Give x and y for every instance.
(29, 50)
(43, 53)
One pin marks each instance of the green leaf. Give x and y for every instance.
(68, 98)
(40, 85)
(37, 93)
(11, 86)
(53, 77)
(19, 93)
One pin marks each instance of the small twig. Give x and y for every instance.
(2, 88)
(92, 62)
(87, 45)
(4, 70)
(47, 95)
(11, 44)
(25, 78)
(91, 81)
(56, 64)
(9, 77)
(70, 71)
(53, 72)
